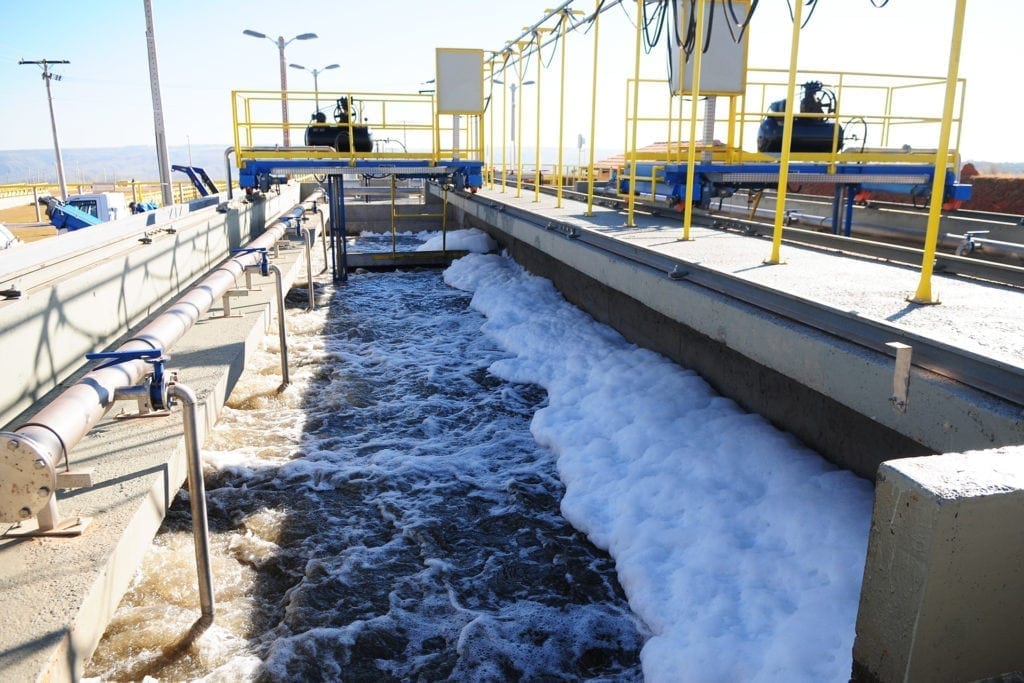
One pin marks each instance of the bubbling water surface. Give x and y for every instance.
(388, 517)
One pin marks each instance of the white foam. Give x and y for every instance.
(742, 550)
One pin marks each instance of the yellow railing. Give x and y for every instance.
(137, 191)
(892, 116)
(402, 126)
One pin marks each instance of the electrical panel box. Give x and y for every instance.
(460, 81)
(723, 68)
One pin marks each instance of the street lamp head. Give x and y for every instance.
(298, 66)
(331, 66)
(305, 36)
(254, 34)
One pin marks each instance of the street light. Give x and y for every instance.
(281, 43)
(513, 87)
(315, 72)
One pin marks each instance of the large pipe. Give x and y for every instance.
(62, 423)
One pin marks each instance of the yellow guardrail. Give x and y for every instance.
(401, 126)
(891, 115)
(136, 191)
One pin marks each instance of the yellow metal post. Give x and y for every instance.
(490, 64)
(631, 202)
(536, 172)
(593, 115)
(561, 110)
(519, 127)
(787, 137)
(924, 287)
(691, 151)
(504, 125)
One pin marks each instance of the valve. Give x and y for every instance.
(969, 245)
(154, 387)
(264, 259)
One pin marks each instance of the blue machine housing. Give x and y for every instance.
(819, 134)
(716, 180)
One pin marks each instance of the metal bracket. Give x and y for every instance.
(901, 376)
(228, 295)
(30, 481)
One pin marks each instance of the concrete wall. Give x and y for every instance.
(53, 621)
(943, 587)
(832, 394)
(701, 330)
(48, 331)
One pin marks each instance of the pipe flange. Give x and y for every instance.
(27, 478)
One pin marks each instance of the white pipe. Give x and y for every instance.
(227, 163)
(281, 333)
(197, 499)
(62, 423)
(307, 240)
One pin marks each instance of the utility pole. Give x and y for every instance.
(47, 76)
(163, 163)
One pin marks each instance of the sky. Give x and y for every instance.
(104, 97)
(740, 550)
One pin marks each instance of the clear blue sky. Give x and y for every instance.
(104, 98)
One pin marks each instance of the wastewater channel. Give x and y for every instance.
(470, 479)
(388, 517)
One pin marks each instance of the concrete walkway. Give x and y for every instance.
(976, 316)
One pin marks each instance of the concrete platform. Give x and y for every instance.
(57, 594)
(832, 393)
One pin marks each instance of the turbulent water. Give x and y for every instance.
(388, 517)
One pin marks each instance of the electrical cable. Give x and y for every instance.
(746, 21)
(813, 4)
(658, 21)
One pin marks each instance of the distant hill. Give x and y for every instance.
(105, 164)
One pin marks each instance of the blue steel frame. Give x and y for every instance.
(465, 174)
(716, 180)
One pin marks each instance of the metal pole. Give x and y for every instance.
(504, 137)
(197, 498)
(787, 138)
(518, 150)
(53, 120)
(316, 89)
(691, 152)
(593, 117)
(536, 173)
(284, 93)
(923, 295)
(631, 151)
(163, 165)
